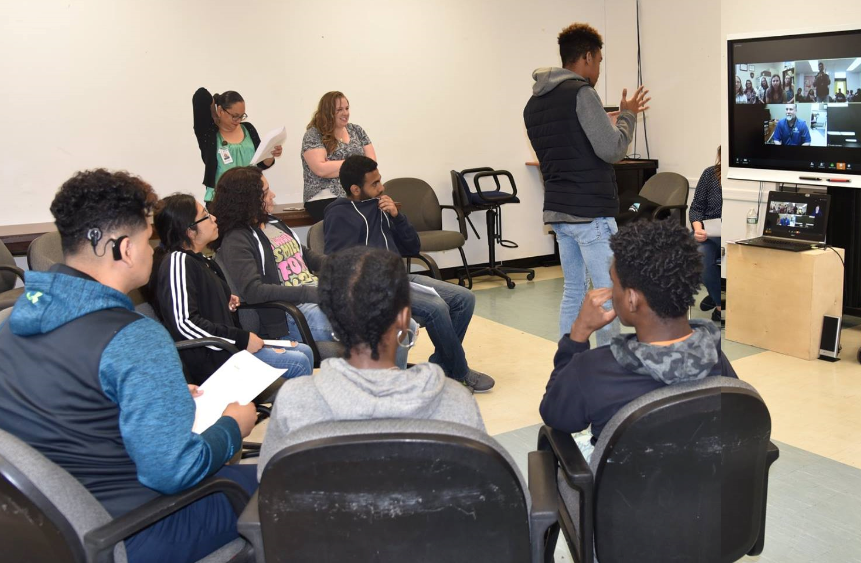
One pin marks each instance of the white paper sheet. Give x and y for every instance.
(268, 143)
(279, 343)
(423, 288)
(712, 227)
(241, 378)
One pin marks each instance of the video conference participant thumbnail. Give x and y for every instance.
(791, 130)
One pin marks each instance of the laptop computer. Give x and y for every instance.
(793, 221)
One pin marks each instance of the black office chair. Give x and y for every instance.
(679, 474)
(490, 201)
(48, 516)
(9, 276)
(400, 490)
(665, 194)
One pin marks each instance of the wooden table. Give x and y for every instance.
(17, 238)
(776, 299)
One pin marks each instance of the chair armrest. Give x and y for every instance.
(461, 219)
(771, 454)
(249, 526)
(99, 543)
(474, 170)
(208, 341)
(495, 174)
(544, 511)
(15, 270)
(298, 318)
(578, 476)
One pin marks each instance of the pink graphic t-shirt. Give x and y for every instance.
(288, 257)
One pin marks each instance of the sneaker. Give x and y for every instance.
(717, 316)
(478, 382)
(707, 304)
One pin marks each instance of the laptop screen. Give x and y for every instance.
(799, 216)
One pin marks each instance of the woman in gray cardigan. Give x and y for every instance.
(366, 296)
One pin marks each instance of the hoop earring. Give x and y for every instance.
(411, 338)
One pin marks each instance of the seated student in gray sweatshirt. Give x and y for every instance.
(365, 294)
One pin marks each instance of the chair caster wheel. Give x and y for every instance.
(530, 276)
(510, 284)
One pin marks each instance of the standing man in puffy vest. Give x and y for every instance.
(577, 142)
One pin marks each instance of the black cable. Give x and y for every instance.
(640, 83)
(838, 255)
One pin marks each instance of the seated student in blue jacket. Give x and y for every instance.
(368, 217)
(656, 273)
(98, 388)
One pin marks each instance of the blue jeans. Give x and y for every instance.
(321, 330)
(196, 530)
(711, 270)
(584, 250)
(295, 361)
(445, 319)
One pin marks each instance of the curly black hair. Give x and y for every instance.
(578, 39)
(353, 171)
(361, 291)
(239, 201)
(660, 259)
(100, 199)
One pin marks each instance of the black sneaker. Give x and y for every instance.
(717, 316)
(707, 304)
(478, 382)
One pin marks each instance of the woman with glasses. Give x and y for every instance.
(225, 139)
(330, 138)
(189, 292)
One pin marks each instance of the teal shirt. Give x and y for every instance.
(241, 153)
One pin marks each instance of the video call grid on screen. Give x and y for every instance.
(792, 214)
(783, 96)
(804, 220)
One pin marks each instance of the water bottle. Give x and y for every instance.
(751, 223)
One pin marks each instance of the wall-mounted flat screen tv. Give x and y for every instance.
(795, 107)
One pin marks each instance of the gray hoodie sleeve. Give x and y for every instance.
(610, 143)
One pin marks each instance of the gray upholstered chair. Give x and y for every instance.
(44, 252)
(316, 240)
(56, 519)
(9, 276)
(400, 490)
(421, 205)
(678, 474)
(670, 191)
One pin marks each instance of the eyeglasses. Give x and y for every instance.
(201, 220)
(235, 117)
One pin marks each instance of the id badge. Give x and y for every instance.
(225, 155)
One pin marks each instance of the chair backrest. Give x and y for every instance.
(7, 279)
(46, 512)
(45, 251)
(393, 490)
(418, 201)
(680, 474)
(666, 188)
(315, 239)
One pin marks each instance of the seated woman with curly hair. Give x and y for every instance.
(365, 293)
(656, 273)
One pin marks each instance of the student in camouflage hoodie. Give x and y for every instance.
(656, 273)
